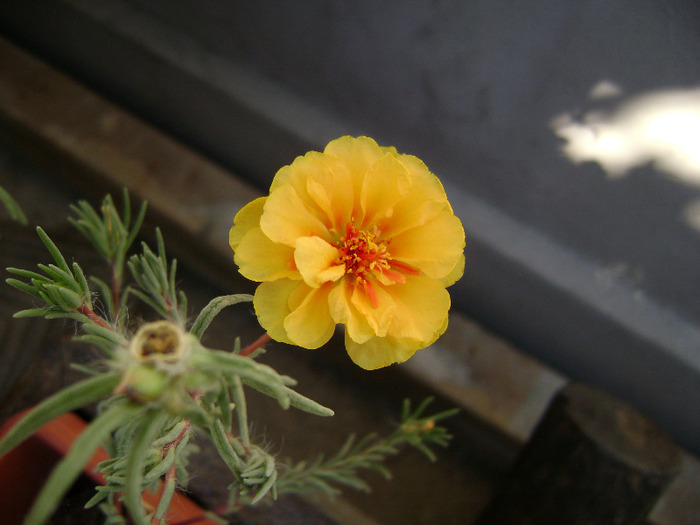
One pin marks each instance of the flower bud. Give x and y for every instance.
(143, 384)
(160, 341)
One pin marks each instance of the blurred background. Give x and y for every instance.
(566, 133)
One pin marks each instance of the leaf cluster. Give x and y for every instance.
(156, 280)
(367, 454)
(63, 288)
(112, 235)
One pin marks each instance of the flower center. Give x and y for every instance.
(361, 252)
(365, 255)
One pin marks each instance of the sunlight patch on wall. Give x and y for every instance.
(660, 127)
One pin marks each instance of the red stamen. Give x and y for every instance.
(394, 276)
(365, 256)
(405, 267)
(371, 293)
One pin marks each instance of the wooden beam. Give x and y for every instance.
(592, 460)
(97, 147)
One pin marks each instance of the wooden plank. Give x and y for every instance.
(97, 147)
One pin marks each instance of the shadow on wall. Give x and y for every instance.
(660, 127)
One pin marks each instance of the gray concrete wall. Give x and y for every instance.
(473, 87)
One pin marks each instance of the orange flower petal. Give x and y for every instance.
(271, 303)
(434, 247)
(330, 186)
(260, 259)
(378, 312)
(421, 308)
(454, 274)
(247, 218)
(286, 217)
(343, 311)
(309, 324)
(317, 261)
(359, 154)
(425, 199)
(423, 179)
(377, 352)
(385, 184)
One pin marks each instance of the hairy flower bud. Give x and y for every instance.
(143, 384)
(159, 342)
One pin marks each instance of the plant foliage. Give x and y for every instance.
(158, 384)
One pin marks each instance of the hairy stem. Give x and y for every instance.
(90, 314)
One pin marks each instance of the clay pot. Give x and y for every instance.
(25, 468)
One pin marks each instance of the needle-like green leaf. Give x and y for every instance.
(68, 469)
(136, 459)
(70, 398)
(210, 311)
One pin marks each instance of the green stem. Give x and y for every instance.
(116, 293)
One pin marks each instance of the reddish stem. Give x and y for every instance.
(90, 314)
(252, 347)
(177, 440)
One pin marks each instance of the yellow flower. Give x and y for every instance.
(359, 235)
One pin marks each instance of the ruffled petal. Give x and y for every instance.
(421, 305)
(247, 218)
(343, 311)
(324, 183)
(271, 303)
(330, 186)
(434, 247)
(309, 324)
(358, 153)
(425, 199)
(260, 259)
(379, 313)
(386, 183)
(424, 180)
(317, 261)
(377, 352)
(286, 217)
(455, 274)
